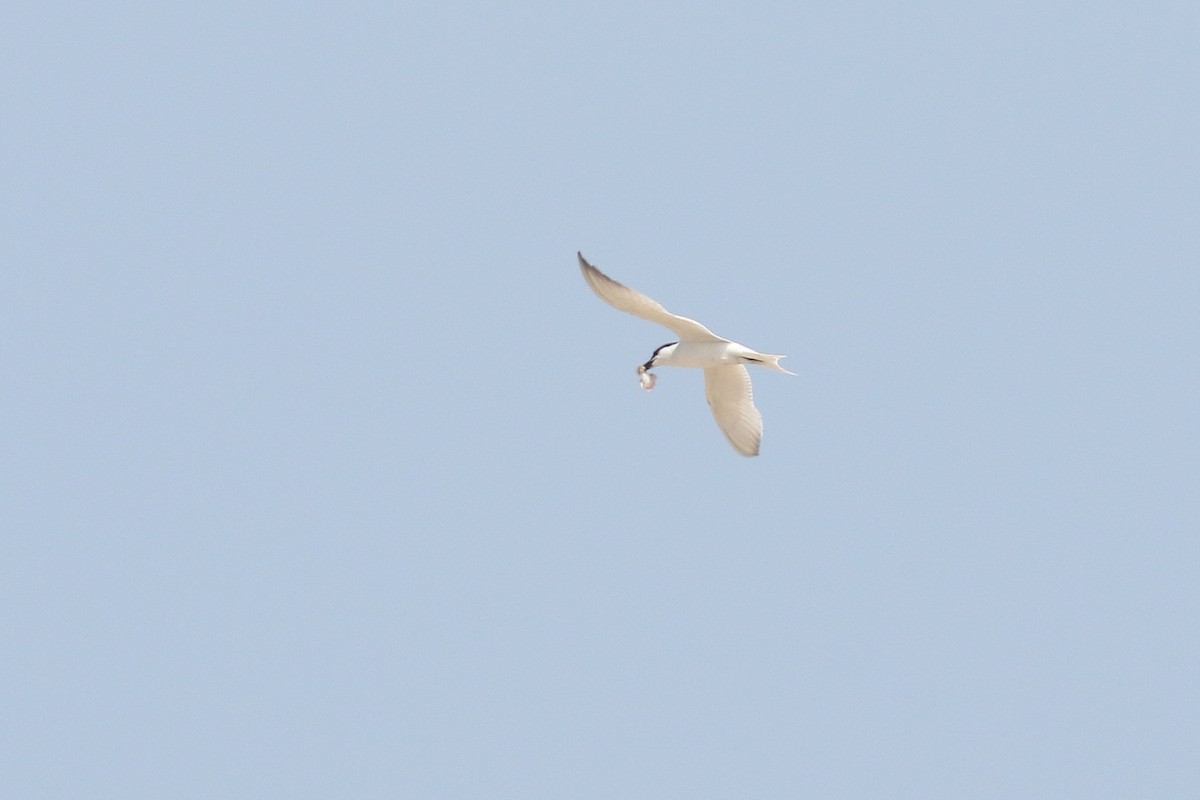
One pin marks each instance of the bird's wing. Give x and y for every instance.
(623, 298)
(731, 398)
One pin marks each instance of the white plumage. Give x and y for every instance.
(726, 381)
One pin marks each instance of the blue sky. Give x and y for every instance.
(325, 474)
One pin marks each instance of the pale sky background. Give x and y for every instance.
(325, 474)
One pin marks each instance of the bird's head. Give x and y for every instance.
(661, 356)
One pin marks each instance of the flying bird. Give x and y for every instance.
(726, 381)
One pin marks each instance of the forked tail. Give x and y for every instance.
(772, 362)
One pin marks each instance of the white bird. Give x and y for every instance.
(726, 381)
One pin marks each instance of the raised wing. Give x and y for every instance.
(731, 398)
(623, 298)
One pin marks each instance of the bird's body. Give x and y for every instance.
(701, 355)
(726, 381)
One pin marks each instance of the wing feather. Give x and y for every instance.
(731, 397)
(622, 298)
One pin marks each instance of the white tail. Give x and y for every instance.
(771, 362)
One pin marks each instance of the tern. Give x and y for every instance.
(726, 380)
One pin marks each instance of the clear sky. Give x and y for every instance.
(325, 475)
